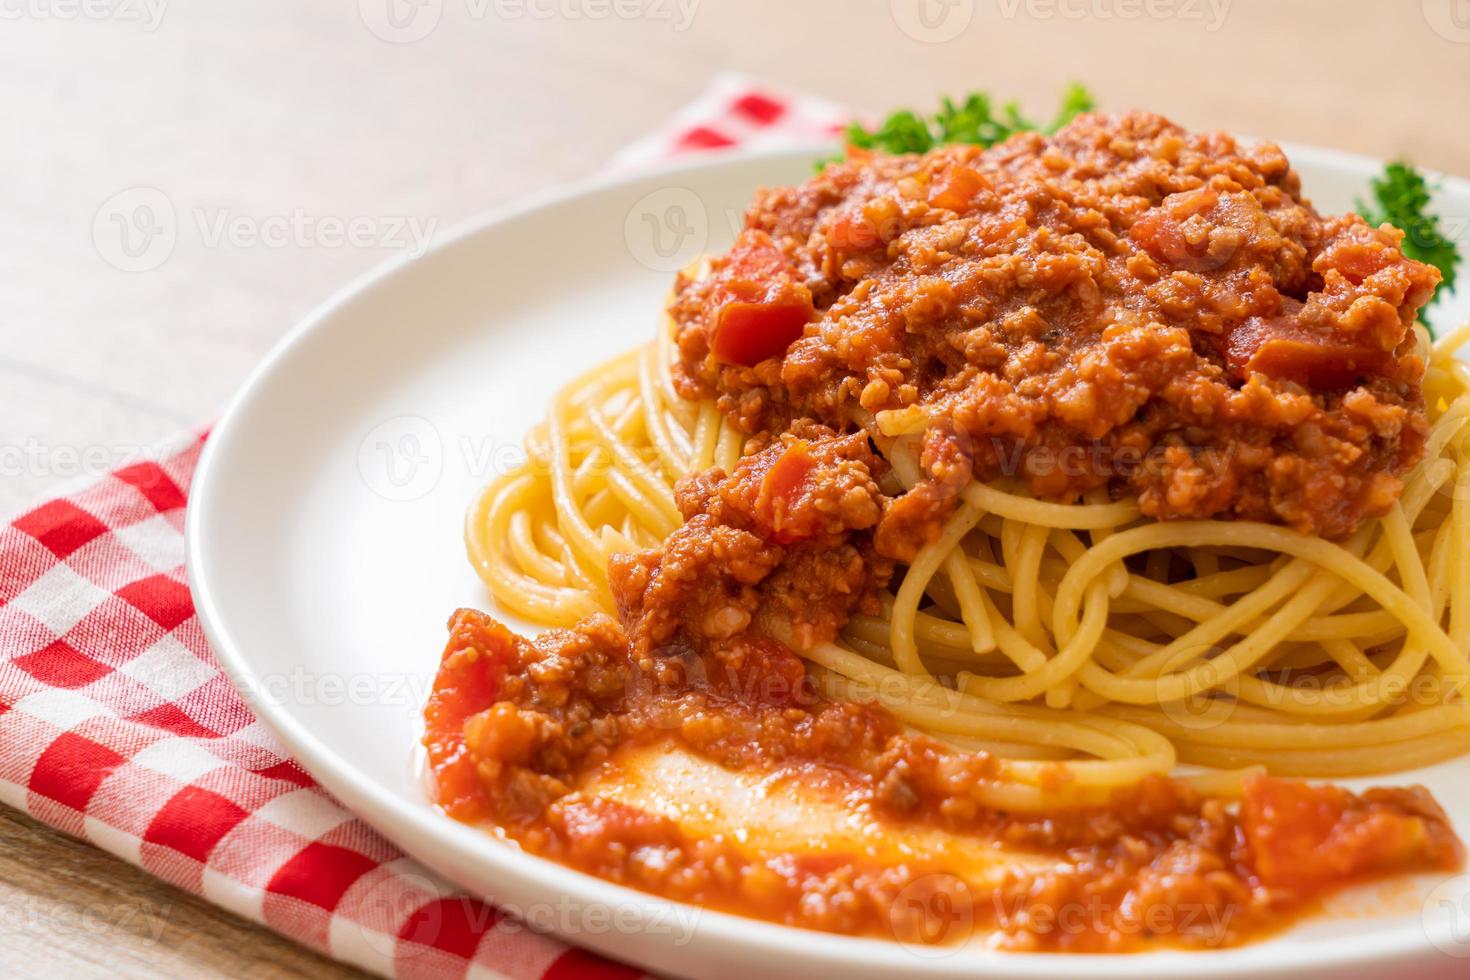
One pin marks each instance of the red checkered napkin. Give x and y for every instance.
(735, 112)
(117, 726)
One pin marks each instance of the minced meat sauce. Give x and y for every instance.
(786, 537)
(1123, 304)
(1122, 285)
(784, 546)
(515, 726)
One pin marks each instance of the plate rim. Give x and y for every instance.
(413, 828)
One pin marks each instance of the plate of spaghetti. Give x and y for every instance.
(1035, 556)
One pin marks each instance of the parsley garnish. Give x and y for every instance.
(1400, 196)
(975, 120)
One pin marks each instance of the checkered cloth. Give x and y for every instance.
(734, 112)
(117, 725)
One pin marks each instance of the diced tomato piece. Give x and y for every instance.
(760, 305)
(956, 187)
(781, 487)
(1158, 234)
(1355, 259)
(748, 333)
(1307, 836)
(1359, 250)
(468, 682)
(1279, 348)
(1159, 231)
(775, 674)
(1318, 365)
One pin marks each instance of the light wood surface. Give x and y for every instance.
(243, 113)
(67, 910)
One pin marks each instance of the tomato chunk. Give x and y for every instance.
(1160, 230)
(1359, 251)
(748, 333)
(781, 488)
(469, 679)
(759, 303)
(1280, 348)
(1307, 836)
(957, 187)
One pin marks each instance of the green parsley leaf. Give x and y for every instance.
(1075, 101)
(975, 120)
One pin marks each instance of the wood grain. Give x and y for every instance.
(259, 108)
(68, 910)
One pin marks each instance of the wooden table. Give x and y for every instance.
(244, 114)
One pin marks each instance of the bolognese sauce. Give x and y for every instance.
(516, 729)
(1166, 301)
(1167, 297)
(783, 547)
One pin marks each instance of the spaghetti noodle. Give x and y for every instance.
(1034, 630)
(813, 536)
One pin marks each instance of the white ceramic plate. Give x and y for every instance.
(325, 556)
